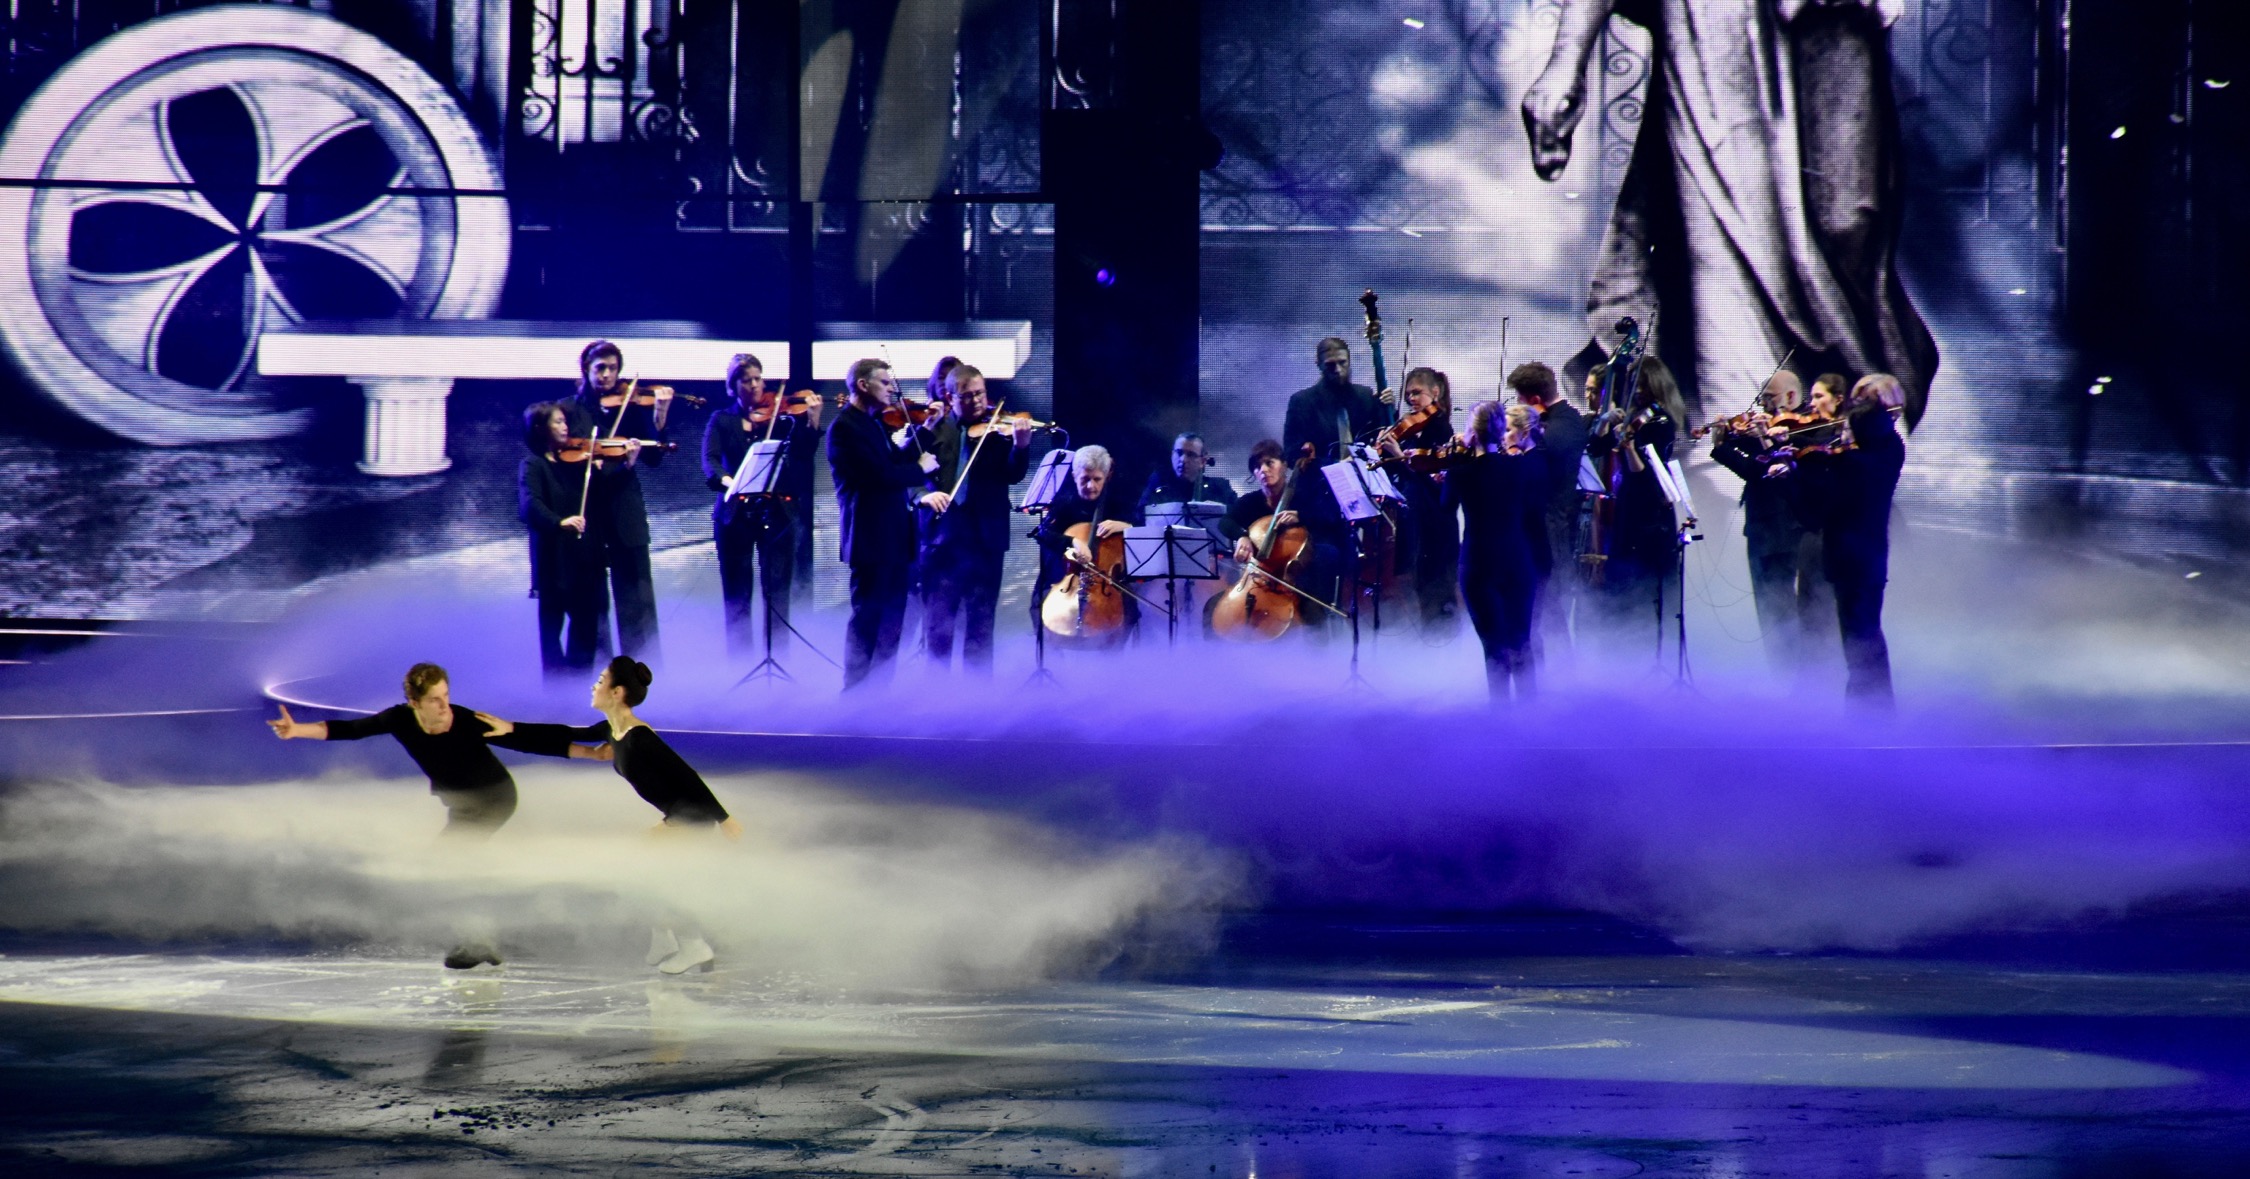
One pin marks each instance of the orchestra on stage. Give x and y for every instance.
(1376, 505)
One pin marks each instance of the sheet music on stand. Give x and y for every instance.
(1170, 550)
(1048, 481)
(1357, 487)
(760, 472)
(1201, 514)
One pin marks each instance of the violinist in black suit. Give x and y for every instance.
(880, 472)
(1645, 547)
(566, 567)
(1771, 532)
(756, 536)
(1324, 527)
(965, 544)
(616, 512)
(1187, 480)
(1561, 430)
(1847, 496)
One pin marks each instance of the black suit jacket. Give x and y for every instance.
(546, 495)
(873, 479)
(1313, 415)
(978, 522)
(725, 442)
(1166, 487)
(616, 511)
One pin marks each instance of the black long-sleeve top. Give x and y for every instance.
(1848, 498)
(1562, 435)
(978, 521)
(616, 511)
(1503, 506)
(873, 480)
(658, 774)
(1646, 524)
(1318, 515)
(1769, 518)
(725, 442)
(461, 757)
(1166, 487)
(547, 493)
(1067, 510)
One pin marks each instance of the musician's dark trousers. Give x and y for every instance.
(878, 598)
(1867, 655)
(1773, 587)
(578, 598)
(960, 590)
(1433, 553)
(1321, 576)
(1500, 609)
(633, 584)
(755, 552)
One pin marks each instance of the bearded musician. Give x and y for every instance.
(1324, 526)
(757, 537)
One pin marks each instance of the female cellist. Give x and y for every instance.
(1499, 485)
(1269, 499)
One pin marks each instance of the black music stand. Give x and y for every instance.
(1358, 486)
(1673, 479)
(759, 478)
(1047, 484)
(1171, 553)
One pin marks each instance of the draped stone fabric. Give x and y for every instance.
(1760, 210)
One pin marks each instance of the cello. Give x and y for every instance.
(1088, 602)
(1249, 613)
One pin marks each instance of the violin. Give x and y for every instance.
(1005, 423)
(909, 413)
(646, 396)
(1409, 422)
(1252, 610)
(1087, 602)
(795, 405)
(578, 450)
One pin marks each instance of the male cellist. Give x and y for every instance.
(1092, 498)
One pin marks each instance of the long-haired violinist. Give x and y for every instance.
(1500, 487)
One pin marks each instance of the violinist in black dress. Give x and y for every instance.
(1500, 489)
(566, 567)
(877, 468)
(965, 546)
(452, 745)
(756, 536)
(1771, 532)
(665, 781)
(1430, 531)
(1645, 544)
(616, 510)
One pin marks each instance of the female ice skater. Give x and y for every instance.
(668, 783)
(453, 745)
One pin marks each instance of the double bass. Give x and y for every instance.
(1598, 523)
(1088, 602)
(1252, 611)
(1377, 539)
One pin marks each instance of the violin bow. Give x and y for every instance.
(961, 479)
(586, 489)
